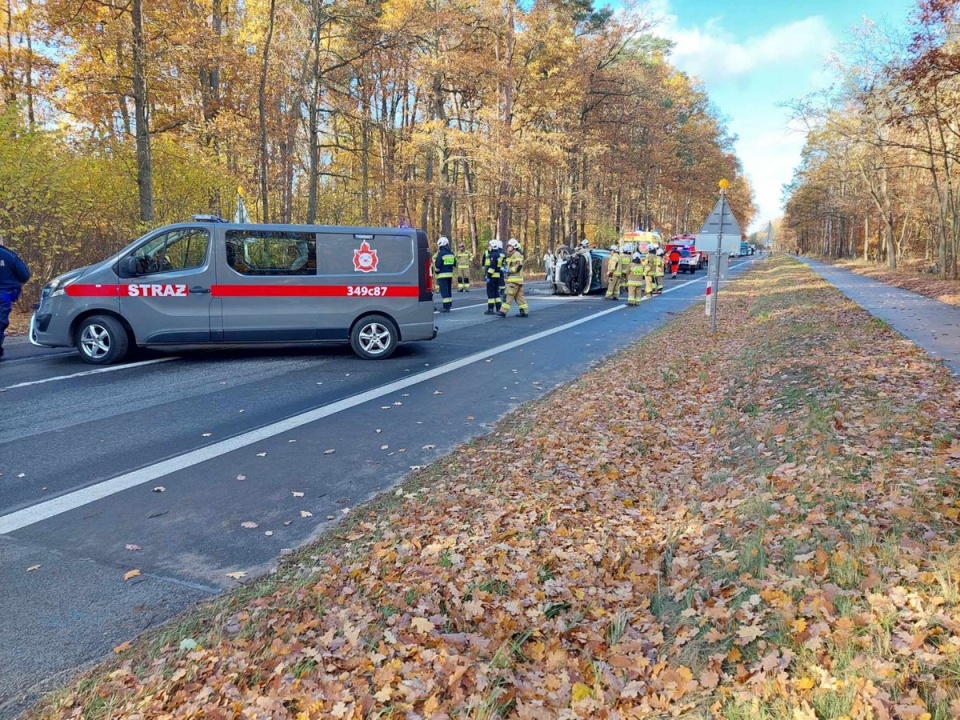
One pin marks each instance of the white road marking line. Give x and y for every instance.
(78, 498)
(111, 368)
(70, 501)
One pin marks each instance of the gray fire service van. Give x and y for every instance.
(212, 282)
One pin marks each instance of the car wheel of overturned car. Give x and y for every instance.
(374, 337)
(563, 254)
(102, 340)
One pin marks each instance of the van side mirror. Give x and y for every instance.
(128, 267)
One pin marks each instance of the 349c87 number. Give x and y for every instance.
(367, 290)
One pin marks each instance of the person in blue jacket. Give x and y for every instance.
(13, 274)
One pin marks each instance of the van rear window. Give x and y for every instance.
(264, 252)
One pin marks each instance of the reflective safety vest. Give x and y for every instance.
(514, 265)
(613, 264)
(635, 277)
(464, 259)
(493, 263)
(658, 266)
(444, 263)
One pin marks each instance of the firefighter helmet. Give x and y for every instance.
(442, 242)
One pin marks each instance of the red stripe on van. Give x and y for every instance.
(382, 291)
(76, 290)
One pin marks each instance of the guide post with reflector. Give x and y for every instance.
(720, 221)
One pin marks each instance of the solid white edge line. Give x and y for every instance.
(97, 371)
(78, 498)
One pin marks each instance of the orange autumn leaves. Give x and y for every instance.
(621, 560)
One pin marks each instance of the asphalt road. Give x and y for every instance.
(156, 465)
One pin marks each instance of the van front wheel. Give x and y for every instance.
(102, 340)
(374, 338)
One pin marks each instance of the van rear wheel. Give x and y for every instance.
(374, 337)
(102, 340)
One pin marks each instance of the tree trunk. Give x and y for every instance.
(262, 98)
(140, 100)
(506, 125)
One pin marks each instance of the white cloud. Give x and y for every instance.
(769, 159)
(713, 55)
(747, 75)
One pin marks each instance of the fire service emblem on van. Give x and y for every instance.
(365, 259)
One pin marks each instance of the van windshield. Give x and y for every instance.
(182, 249)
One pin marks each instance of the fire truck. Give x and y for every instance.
(691, 259)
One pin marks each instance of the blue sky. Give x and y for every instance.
(752, 56)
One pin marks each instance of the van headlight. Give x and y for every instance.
(59, 284)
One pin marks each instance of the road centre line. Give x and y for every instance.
(97, 371)
(78, 498)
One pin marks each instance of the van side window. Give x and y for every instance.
(265, 252)
(173, 251)
(395, 254)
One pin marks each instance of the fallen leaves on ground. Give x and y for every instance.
(756, 523)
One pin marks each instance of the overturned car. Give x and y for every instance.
(580, 272)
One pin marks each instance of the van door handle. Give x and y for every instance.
(199, 290)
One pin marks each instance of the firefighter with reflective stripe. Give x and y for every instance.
(674, 262)
(635, 280)
(614, 278)
(514, 269)
(493, 274)
(626, 255)
(658, 268)
(647, 263)
(464, 258)
(444, 263)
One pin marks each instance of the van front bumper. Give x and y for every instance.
(38, 324)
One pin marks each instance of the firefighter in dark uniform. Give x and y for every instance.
(13, 274)
(444, 263)
(464, 258)
(493, 272)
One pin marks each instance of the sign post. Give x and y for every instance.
(721, 222)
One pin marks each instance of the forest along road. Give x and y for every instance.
(187, 467)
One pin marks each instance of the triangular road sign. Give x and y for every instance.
(721, 221)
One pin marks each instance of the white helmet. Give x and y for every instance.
(442, 242)
(512, 242)
(584, 243)
(497, 244)
(637, 256)
(613, 248)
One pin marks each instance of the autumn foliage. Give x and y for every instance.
(764, 525)
(550, 121)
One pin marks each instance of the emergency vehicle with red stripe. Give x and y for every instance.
(212, 282)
